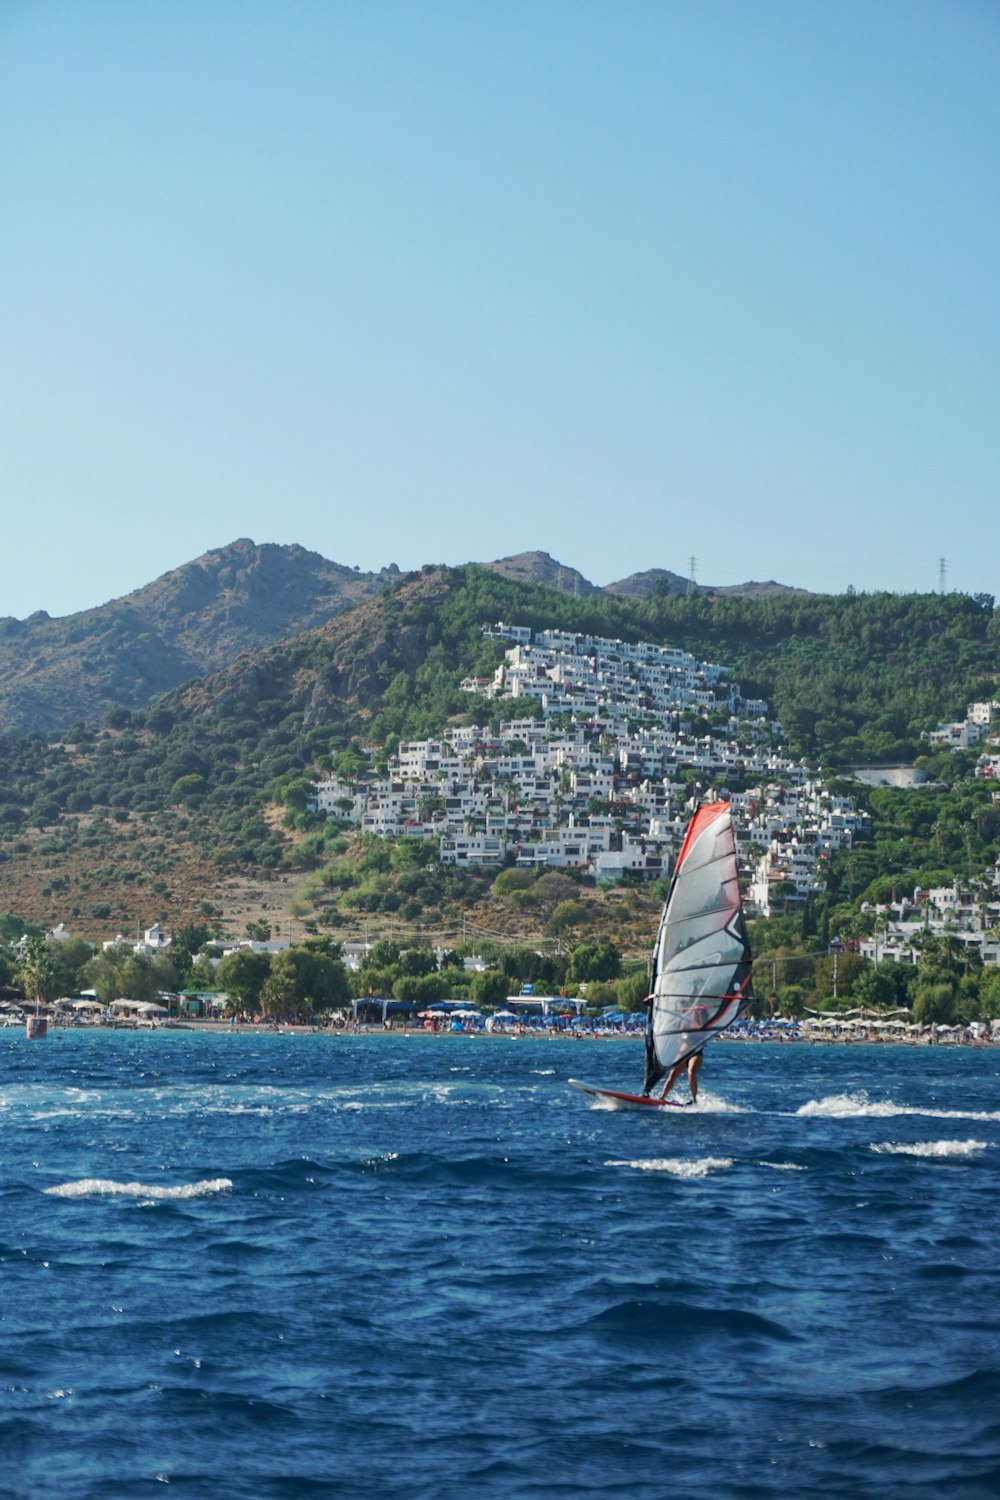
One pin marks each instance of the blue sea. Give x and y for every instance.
(423, 1267)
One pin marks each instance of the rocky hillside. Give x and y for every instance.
(196, 806)
(539, 567)
(191, 621)
(197, 619)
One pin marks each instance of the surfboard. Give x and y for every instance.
(625, 1101)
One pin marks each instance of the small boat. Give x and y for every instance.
(36, 1026)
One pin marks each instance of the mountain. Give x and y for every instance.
(193, 620)
(644, 585)
(661, 581)
(539, 567)
(196, 808)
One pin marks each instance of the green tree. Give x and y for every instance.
(164, 973)
(630, 991)
(312, 981)
(188, 942)
(69, 960)
(510, 881)
(139, 977)
(186, 788)
(490, 988)
(934, 1004)
(567, 914)
(596, 959)
(380, 955)
(242, 974)
(989, 994)
(420, 989)
(418, 961)
(106, 973)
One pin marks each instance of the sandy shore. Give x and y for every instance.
(264, 1028)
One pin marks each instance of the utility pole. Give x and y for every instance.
(835, 947)
(692, 586)
(942, 574)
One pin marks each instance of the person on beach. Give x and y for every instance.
(693, 1065)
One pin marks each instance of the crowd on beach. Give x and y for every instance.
(829, 1029)
(593, 1029)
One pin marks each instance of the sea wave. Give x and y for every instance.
(677, 1166)
(713, 1104)
(859, 1106)
(93, 1187)
(940, 1150)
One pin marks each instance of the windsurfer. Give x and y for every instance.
(693, 1065)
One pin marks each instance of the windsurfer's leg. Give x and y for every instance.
(694, 1068)
(672, 1077)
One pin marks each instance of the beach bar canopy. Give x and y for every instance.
(368, 1005)
(547, 1005)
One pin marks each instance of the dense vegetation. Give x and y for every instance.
(215, 776)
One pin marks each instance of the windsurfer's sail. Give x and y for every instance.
(701, 962)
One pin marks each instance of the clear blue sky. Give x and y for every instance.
(425, 282)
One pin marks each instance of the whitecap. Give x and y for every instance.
(783, 1166)
(678, 1166)
(89, 1187)
(859, 1106)
(713, 1104)
(934, 1150)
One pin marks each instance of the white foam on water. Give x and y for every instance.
(39, 1115)
(93, 1187)
(712, 1104)
(859, 1106)
(932, 1150)
(678, 1166)
(783, 1166)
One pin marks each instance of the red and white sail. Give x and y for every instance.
(701, 962)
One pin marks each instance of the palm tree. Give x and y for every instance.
(36, 970)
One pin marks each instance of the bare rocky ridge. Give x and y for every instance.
(199, 618)
(193, 620)
(539, 567)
